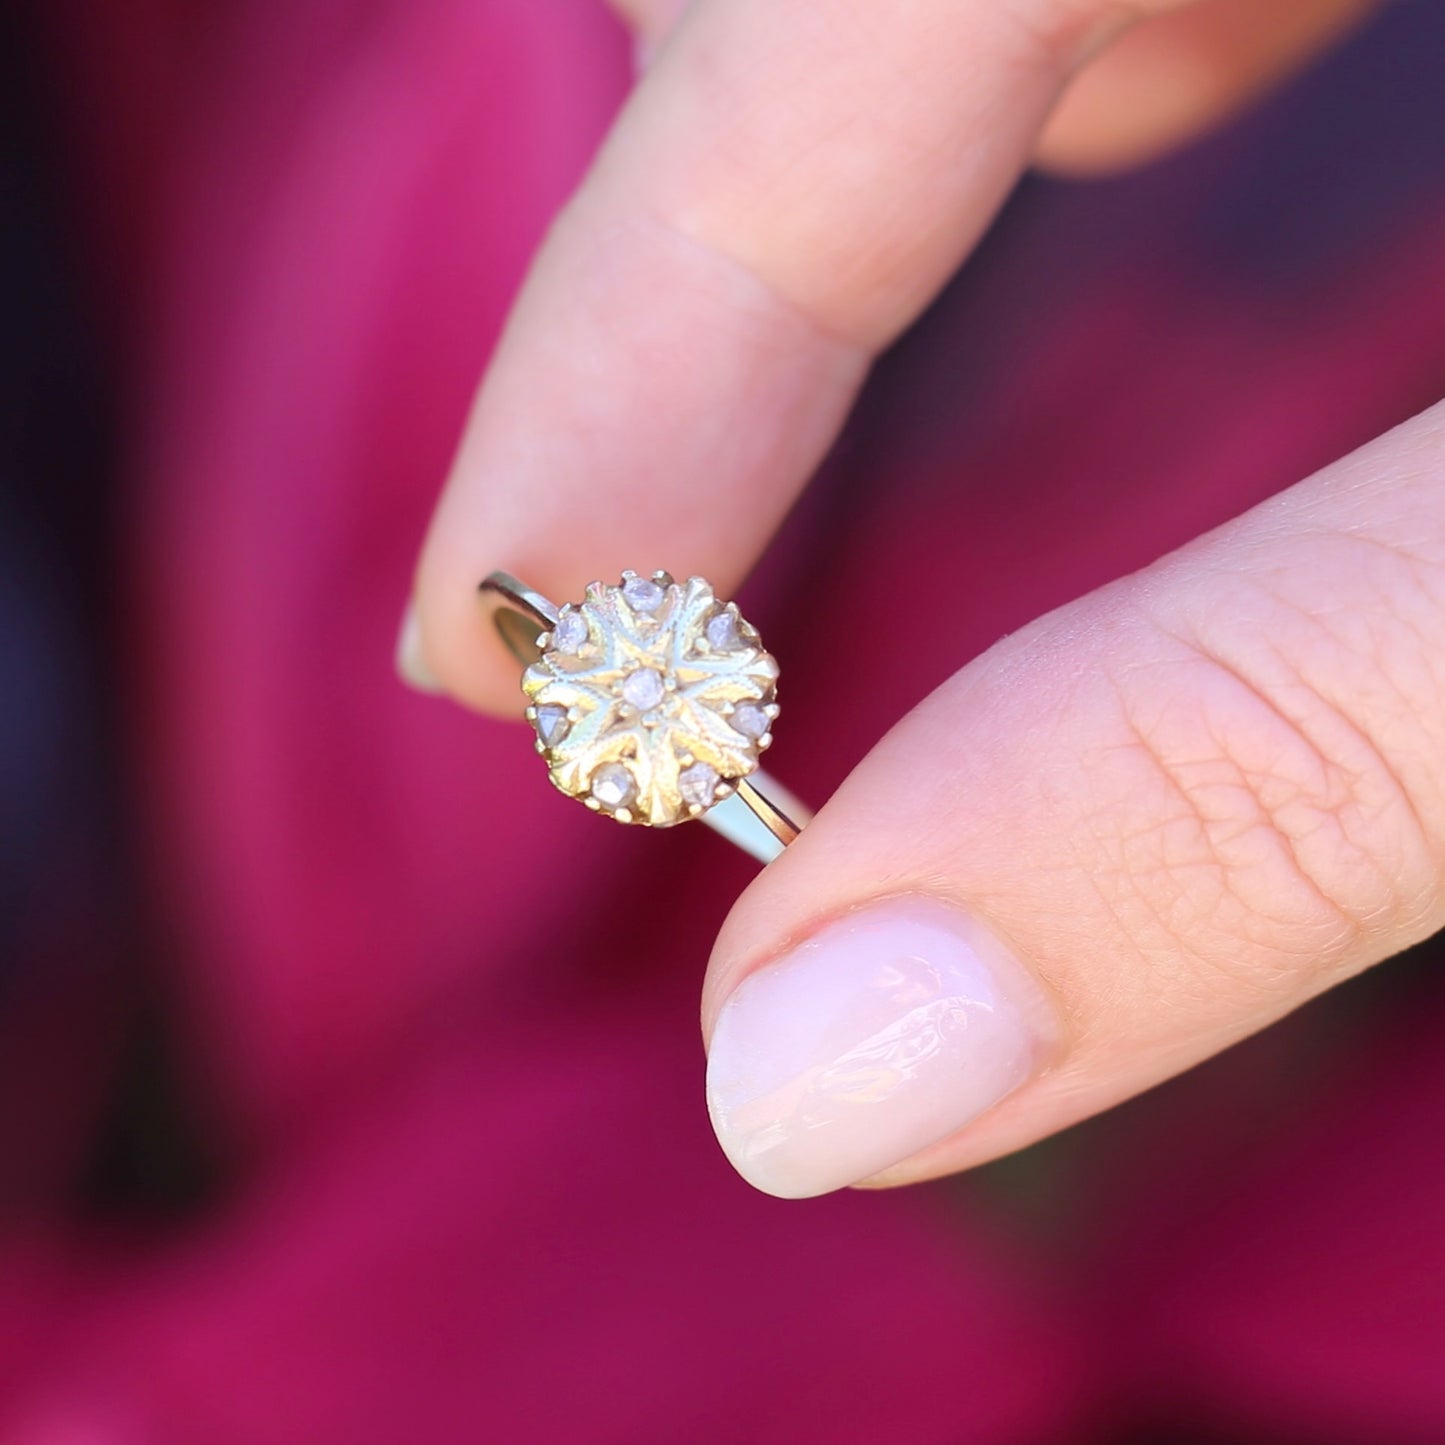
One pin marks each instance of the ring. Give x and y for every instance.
(652, 703)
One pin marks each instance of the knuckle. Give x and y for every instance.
(1257, 823)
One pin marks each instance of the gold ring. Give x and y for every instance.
(652, 703)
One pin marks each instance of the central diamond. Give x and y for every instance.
(644, 689)
(651, 699)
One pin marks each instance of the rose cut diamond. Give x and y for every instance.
(697, 785)
(613, 786)
(551, 723)
(722, 632)
(643, 689)
(642, 594)
(750, 719)
(570, 634)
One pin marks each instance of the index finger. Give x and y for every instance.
(790, 184)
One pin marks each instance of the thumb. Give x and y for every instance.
(1126, 837)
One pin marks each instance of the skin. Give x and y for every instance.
(1188, 815)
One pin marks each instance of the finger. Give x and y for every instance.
(1157, 86)
(1123, 839)
(1164, 82)
(788, 186)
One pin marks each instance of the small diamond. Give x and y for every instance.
(613, 785)
(551, 723)
(750, 719)
(722, 631)
(697, 784)
(570, 634)
(643, 688)
(642, 594)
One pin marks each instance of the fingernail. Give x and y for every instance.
(888, 1030)
(411, 664)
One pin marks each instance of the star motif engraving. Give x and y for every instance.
(633, 695)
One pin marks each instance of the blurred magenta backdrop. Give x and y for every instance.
(450, 1058)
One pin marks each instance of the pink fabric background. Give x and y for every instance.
(449, 1058)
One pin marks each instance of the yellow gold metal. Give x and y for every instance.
(651, 699)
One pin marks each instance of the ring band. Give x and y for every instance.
(651, 701)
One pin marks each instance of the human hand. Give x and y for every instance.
(1147, 825)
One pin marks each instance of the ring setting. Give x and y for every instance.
(652, 700)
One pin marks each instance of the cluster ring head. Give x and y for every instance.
(651, 699)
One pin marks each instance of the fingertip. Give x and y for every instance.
(451, 651)
(449, 642)
(411, 661)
